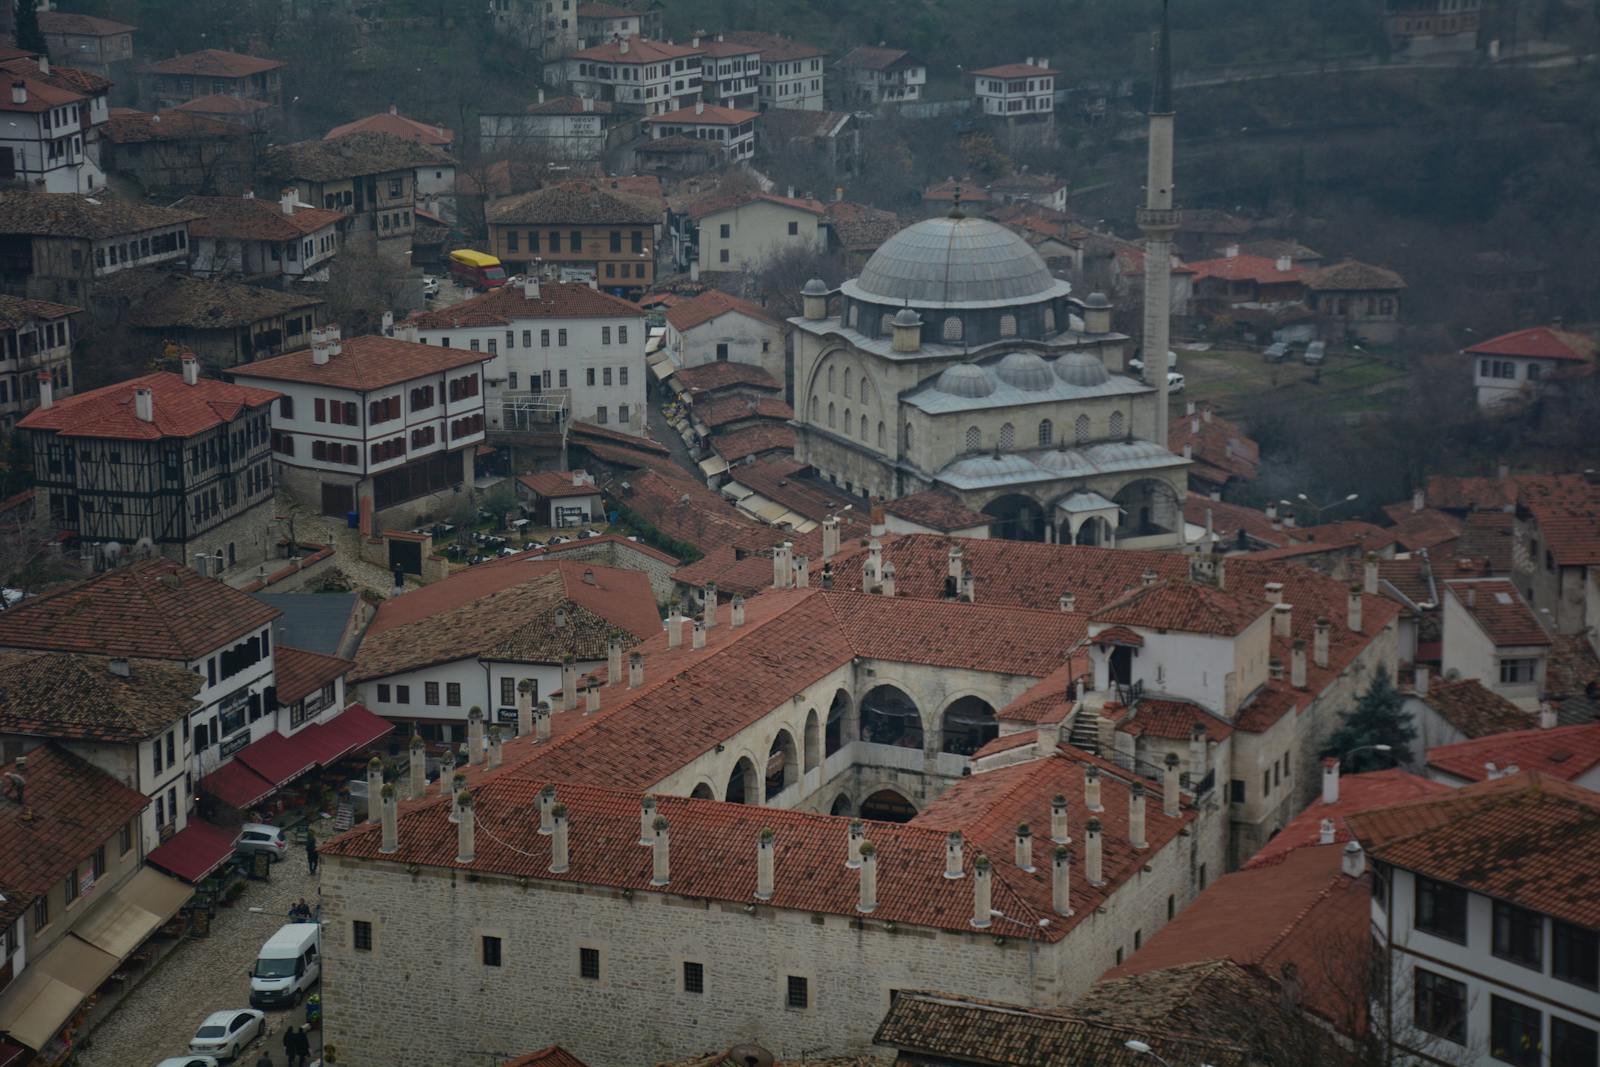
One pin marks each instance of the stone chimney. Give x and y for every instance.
(872, 572)
(783, 566)
(1354, 610)
(699, 635)
(524, 707)
(1319, 647)
(858, 834)
(389, 816)
(1092, 858)
(541, 722)
(1330, 780)
(1547, 715)
(1061, 880)
(191, 369)
(622, 46)
(496, 747)
(887, 585)
(969, 587)
(591, 697)
(569, 684)
(1274, 593)
(647, 820)
(1285, 264)
(1369, 574)
(1149, 578)
(288, 199)
(868, 862)
(1275, 669)
(547, 809)
(802, 572)
(1326, 832)
(1297, 664)
(458, 789)
(418, 766)
(1060, 831)
(614, 662)
(1024, 848)
(144, 405)
(475, 736)
(560, 861)
(1136, 834)
(736, 612)
(699, 107)
(952, 855)
(708, 605)
(1419, 680)
(982, 892)
(1354, 860)
(830, 537)
(1282, 618)
(660, 856)
(374, 786)
(1419, 500)
(1197, 753)
(1069, 601)
(466, 832)
(635, 670)
(1091, 790)
(765, 865)
(955, 568)
(674, 629)
(1171, 798)
(47, 391)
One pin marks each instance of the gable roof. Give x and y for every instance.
(715, 204)
(17, 310)
(130, 126)
(774, 48)
(510, 303)
(222, 104)
(582, 202)
(937, 510)
(718, 411)
(1475, 710)
(1567, 509)
(735, 445)
(1013, 70)
(571, 105)
(72, 695)
(868, 57)
(552, 1056)
(706, 115)
(88, 217)
(69, 809)
(396, 125)
(71, 22)
(212, 63)
(298, 672)
(167, 300)
(1354, 276)
(1561, 752)
(1428, 528)
(180, 409)
(153, 609)
(1529, 839)
(1258, 269)
(363, 363)
(714, 303)
(1538, 342)
(1186, 606)
(725, 374)
(1499, 610)
(635, 50)
(253, 219)
(352, 155)
(1357, 792)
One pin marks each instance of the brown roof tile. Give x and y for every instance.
(396, 125)
(727, 374)
(719, 411)
(1354, 276)
(1499, 610)
(70, 215)
(128, 126)
(754, 441)
(17, 310)
(936, 510)
(1357, 792)
(253, 219)
(1475, 710)
(181, 410)
(579, 202)
(351, 156)
(1186, 606)
(1561, 752)
(364, 363)
(72, 695)
(212, 63)
(165, 300)
(511, 303)
(70, 808)
(714, 303)
(774, 48)
(298, 672)
(1567, 510)
(83, 25)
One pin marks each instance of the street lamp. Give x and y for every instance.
(1139, 1048)
(1320, 508)
(1364, 748)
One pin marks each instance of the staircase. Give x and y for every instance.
(1085, 732)
(344, 818)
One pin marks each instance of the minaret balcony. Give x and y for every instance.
(1154, 219)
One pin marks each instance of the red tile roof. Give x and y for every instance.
(753, 441)
(1217, 443)
(1046, 700)
(222, 104)
(1475, 710)
(719, 411)
(1357, 792)
(636, 441)
(1243, 268)
(937, 510)
(1472, 494)
(713, 205)
(364, 363)
(635, 50)
(128, 126)
(782, 480)
(71, 695)
(681, 507)
(1185, 606)
(1538, 342)
(1567, 509)
(254, 219)
(1499, 610)
(396, 125)
(299, 673)
(510, 303)
(154, 609)
(1530, 839)
(1228, 519)
(774, 48)
(709, 377)
(70, 808)
(1014, 70)
(554, 1056)
(17, 310)
(709, 115)
(71, 22)
(1117, 635)
(1428, 528)
(583, 547)
(714, 303)
(212, 63)
(1173, 720)
(1562, 752)
(558, 484)
(181, 410)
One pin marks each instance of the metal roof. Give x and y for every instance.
(1044, 465)
(966, 391)
(955, 262)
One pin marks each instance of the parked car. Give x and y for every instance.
(188, 1061)
(262, 837)
(225, 1034)
(430, 287)
(1315, 353)
(1174, 382)
(1136, 364)
(1277, 352)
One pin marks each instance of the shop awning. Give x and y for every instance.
(237, 785)
(13, 1052)
(35, 1006)
(195, 851)
(121, 921)
(354, 727)
(78, 964)
(276, 758)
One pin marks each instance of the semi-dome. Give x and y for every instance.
(1026, 371)
(965, 379)
(955, 261)
(1082, 368)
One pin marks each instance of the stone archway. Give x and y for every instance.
(967, 725)
(783, 764)
(1095, 531)
(1150, 508)
(890, 717)
(744, 783)
(703, 791)
(842, 805)
(1016, 518)
(839, 729)
(888, 805)
(813, 742)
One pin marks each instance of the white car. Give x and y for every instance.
(1174, 382)
(188, 1061)
(225, 1034)
(430, 286)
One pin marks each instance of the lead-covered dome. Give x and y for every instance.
(955, 261)
(965, 379)
(1025, 371)
(1082, 368)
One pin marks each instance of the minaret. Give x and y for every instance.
(1158, 221)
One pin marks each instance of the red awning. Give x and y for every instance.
(237, 785)
(195, 851)
(354, 727)
(276, 758)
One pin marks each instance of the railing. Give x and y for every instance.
(891, 756)
(527, 411)
(1151, 218)
(839, 762)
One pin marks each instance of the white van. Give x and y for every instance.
(289, 965)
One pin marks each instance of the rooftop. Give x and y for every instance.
(706, 115)
(70, 22)
(1241, 268)
(635, 50)
(364, 363)
(774, 48)
(1357, 793)
(937, 510)
(784, 481)
(254, 219)
(1539, 342)
(212, 63)
(166, 300)
(1354, 276)
(511, 303)
(396, 125)
(88, 217)
(556, 484)
(955, 262)
(1567, 509)
(715, 204)
(17, 310)
(222, 104)
(353, 155)
(70, 808)
(180, 409)
(868, 57)
(1013, 70)
(571, 105)
(298, 672)
(1499, 610)
(1562, 752)
(1475, 710)
(1428, 528)
(129, 126)
(719, 411)
(73, 695)
(579, 202)
(1186, 606)
(713, 304)
(734, 445)
(709, 377)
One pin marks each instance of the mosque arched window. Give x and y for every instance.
(1008, 325)
(974, 439)
(1116, 424)
(1080, 430)
(1008, 437)
(1047, 433)
(952, 328)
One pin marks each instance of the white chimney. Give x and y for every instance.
(1282, 617)
(982, 893)
(419, 766)
(1061, 880)
(1188, 450)
(635, 670)
(708, 605)
(783, 566)
(1547, 715)
(1419, 680)
(1354, 861)
(19, 91)
(458, 789)
(541, 722)
(588, 103)
(475, 736)
(887, 585)
(191, 369)
(969, 587)
(1091, 789)
(622, 46)
(699, 107)
(802, 572)
(1060, 831)
(1325, 833)
(288, 200)
(1354, 611)
(1285, 264)
(569, 681)
(1024, 843)
(1136, 834)
(764, 865)
(591, 697)
(547, 809)
(559, 859)
(1297, 664)
(868, 862)
(496, 747)
(530, 287)
(1419, 500)
(830, 537)
(660, 856)
(613, 662)
(1092, 858)
(374, 786)
(1197, 753)
(699, 634)
(387, 327)
(952, 855)
(144, 405)
(389, 809)
(320, 350)
(466, 843)
(955, 569)
(47, 390)
(1069, 602)
(1230, 252)
(858, 834)
(1330, 780)
(44, 61)
(736, 612)
(1319, 648)
(1171, 799)
(1369, 575)
(1194, 422)
(647, 820)
(1274, 592)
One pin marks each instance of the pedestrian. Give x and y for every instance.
(311, 851)
(290, 1033)
(301, 1056)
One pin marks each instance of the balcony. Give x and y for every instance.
(1167, 219)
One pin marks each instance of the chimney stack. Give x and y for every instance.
(19, 91)
(466, 832)
(1354, 610)
(418, 766)
(569, 685)
(1092, 859)
(1547, 715)
(708, 605)
(1274, 593)
(1369, 574)
(830, 537)
(458, 789)
(547, 809)
(1419, 680)
(1297, 664)
(389, 808)
(1060, 831)
(1326, 832)
(699, 635)
(288, 199)
(1136, 834)
(982, 892)
(635, 670)
(1149, 578)
(591, 696)
(1197, 753)
(858, 834)
(1025, 848)
(660, 856)
(614, 662)
(802, 572)
(1419, 500)
(1354, 861)
(496, 747)
(530, 287)
(736, 612)
(144, 405)
(374, 787)
(475, 736)
(953, 867)
(1061, 881)
(1319, 647)
(764, 865)
(783, 566)
(47, 391)
(969, 587)
(955, 567)
(868, 862)
(541, 722)
(874, 566)
(1282, 617)
(1171, 799)
(191, 369)
(1069, 601)
(647, 820)
(887, 585)
(1330, 780)
(1091, 789)
(559, 858)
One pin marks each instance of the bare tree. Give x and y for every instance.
(362, 285)
(30, 555)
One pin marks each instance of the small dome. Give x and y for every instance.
(815, 287)
(1025, 371)
(907, 317)
(965, 379)
(1065, 461)
(1096, 299)
(1006, 465)
(1081, 368)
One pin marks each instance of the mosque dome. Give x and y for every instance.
(945, 262)
(1082, 368)
(907, 317)
(1025, 371)
(965, 379)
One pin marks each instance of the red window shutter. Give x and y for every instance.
(322, 409)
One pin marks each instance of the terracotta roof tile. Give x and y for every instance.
(783, 481)
(774, 48)
(17, 310)
(395, 125)
(353, 155)
(714, 303)
(1473, 494)
(1488, 536)
(1561, 752)
(1013, 70)
(1567, 510)
(165, 300)
(1186, 606)
(719, 411)
(71, 22)
(128, 126)
(1530, 839)
(553, 1056)
(1244, 268)
(364, 363)
(70, 808)
(640, 442)
(1499, 610)
(937, 510)
(1215, 997)
(1428, 528)
(1173, 720)
(1218, 443)
(181, 410)
(1227, 520)
(1572, 669)
(1352, 275)
(91, 217)
(683, 508)
(1539, 342)
(1412, 577)
(709, 377)
(222, 104)
(212, 63)
(708, 115)
(717, 203)
(510, 303)
(584, 202)
(298, 673)
(71, 695)
(254, 219)
(1474, 710)
(1357, 792)
(753, 441)
(635, 50)
(557, 484)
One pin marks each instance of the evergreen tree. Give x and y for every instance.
(1377, 719)
(29, 37)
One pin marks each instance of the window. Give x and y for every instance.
(722, 257)
(722, 352)
(561, 377)
(1116, 424)
(1008, 325)
(125, 839)
(952, 328)
(589, 964)
(72, 886)
(544, 338)
(511, 241)
(1441, 909)
(622, 339)
(452, 694)
(402, 694)
(605, 335)
(41, 912)
(286, 407)
(561, 338)
(1047, 432)
(588, 376)
(361, 935)
(491, 951)
(622, 414)
(98, 862)
(798, 994)
(1515, 1031)
(794, 229)
(605, 376)
(1008, 437)
(622, 375)
(575, 240)
(600, 415)
(1518, 935)
(1517, 671)
(974, 439)
(694, 977)
(1440, 1006)
(430, 693)
(1572, 1045)
(725, 231)
(1575, 954)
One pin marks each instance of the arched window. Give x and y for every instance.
(1047, 433)
(855, 314)
(1116, 424)
(974, 439)
(1008, 325)
(863, 427)
(830, 379)
(1080, 430)
(866, 388)
(847, 383)
(885, 324)
(883, 440)
(952, 328)
(1008, 437)
(830, 416)
(1049, 320)
(846, 426)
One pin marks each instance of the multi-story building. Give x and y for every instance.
(554, 350)
(601, 22)
(1492, 635)
(435, 177)
(730, 72)
(1021, 97)
(211, 72)
(561, 128)
(548, 28)
(1516, 366)
(644, 76)
(1558, 565)
(730, 129)
(57, 246)
(1356, 301)
(178, 152)
(1482, 911)
(874, 76)
(50, 133)
(35, 340)
(370, 177)
(577, 229)
(791, 71)
(375, 424)
(745, 231)
(178, 464)
(716, 327)
(1428, 27)
(274, 242)
(85, 41)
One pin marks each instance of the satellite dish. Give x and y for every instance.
(111, 550)
(144, 548)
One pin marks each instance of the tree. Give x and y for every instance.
(30, 38)
(1377, 719)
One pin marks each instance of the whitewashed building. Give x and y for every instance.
(792, 72)
(1518, 366)
(280, 241)
(742, 232)
(1021, 96)
(1490, 633)
(562, 128)
(647, 77)
(35, 340)
(717, 327)
(730, 72)
(879, 75)
(730, 129)
(48, 136)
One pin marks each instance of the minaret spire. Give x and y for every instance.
(1158, 221)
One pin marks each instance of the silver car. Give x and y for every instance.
(225, 1034)
(262, 837)
(1316, 352)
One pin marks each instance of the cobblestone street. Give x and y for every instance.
(158, 1018)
